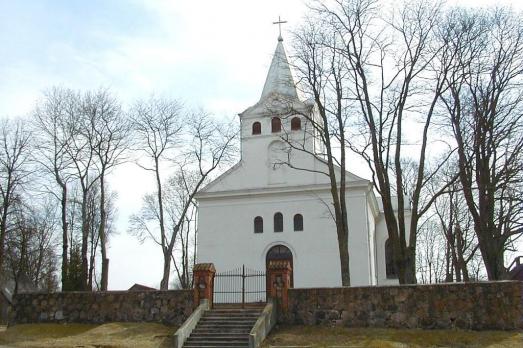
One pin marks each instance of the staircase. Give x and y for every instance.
(224, 326)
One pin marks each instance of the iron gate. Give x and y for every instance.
(240, 285)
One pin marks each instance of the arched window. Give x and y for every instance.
(278, 222)
(276, 125)
(389, 260)
(258, 224)
(256, 128)
(295, 123)
(298, 222)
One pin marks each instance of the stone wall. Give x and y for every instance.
(478, 306)
(168, 307)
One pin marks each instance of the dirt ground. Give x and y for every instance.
(119, 335)
(302, 336)
(113, 335)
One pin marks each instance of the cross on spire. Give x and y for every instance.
(279, 22)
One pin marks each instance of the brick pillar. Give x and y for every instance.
(279, 282)
(203, 282)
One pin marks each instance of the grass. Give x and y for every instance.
(148, 335)
(112, 335)
(307, 336)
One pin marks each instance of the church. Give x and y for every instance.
(262, 209)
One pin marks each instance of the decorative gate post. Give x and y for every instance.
(203, 282)
(279, 281)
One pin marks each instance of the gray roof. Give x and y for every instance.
(279, 78)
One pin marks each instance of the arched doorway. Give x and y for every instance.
(280, 252)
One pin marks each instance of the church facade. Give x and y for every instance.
(263, 208)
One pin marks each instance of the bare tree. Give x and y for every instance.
(50, 123)
(157, 125)
(80, 132)
(187, 237)
(205, 147)
(456, 226)
(14, 156)
(385, 72)
(107, 133)
(179, 201)
(485, 105)
(31, 246)
(321, 72)
(432, 254)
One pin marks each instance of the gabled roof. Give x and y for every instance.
(227, 182)
(140, 287)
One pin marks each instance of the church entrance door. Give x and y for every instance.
(280, 252)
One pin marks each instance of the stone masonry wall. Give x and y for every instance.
(168, 307)
(478, 306)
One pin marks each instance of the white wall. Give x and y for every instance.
(227, 238)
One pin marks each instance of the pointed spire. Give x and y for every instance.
(279, 79)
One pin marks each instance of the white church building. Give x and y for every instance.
(261, 209)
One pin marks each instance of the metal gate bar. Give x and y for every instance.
(240, 285)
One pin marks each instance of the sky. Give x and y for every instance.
(205, 53)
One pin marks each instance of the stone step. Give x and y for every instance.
(224, 327)
(226, 324)
(218, 315)
(216, 344)
(242, 338)
(220, 334)
(232, 314)
(215, 314)
(233, 331)
(228, 320)
(235, 310)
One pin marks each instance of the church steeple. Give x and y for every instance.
(279, 80)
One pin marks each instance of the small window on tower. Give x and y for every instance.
(296, 123)
(298, 222)
(256, 128)
(278, 222)
(258, 224)
(276, 125)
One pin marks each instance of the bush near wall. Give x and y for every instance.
(478, 306)
(169, 307)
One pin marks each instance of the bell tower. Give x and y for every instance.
(278, 119)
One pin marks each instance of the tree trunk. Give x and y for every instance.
(3, 227)
(410, 266)
(85, 238)
(164, 284)
(91, 271)
(461, 258)
(493, 257)
(448, 263)
(102, 234)
(65, 239)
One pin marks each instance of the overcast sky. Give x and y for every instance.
(209, 53)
